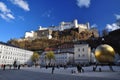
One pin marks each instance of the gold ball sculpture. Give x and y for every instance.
(105, 54)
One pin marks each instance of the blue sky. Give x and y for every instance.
(19, 16)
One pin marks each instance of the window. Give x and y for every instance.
(79, 50)
(78, 55)
(83, 49)
(83, 55)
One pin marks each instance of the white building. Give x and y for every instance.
(60, 59)
(33, 34)
(63, 58)
(71, 54)
(29, 34)
(40, 33)
(9, 54)
(44, 32)
(42, 28)
(68, 25)
(74, 24)
(82, 54)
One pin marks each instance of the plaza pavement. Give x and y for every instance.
(32, 73)
(87, 71)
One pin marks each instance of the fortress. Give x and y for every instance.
(74, 24)
(47, 32)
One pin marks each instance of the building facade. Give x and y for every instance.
(64, 58)
(29, 34)
(9, 54)
(82, 54)
(41, 33)
(60, 59)
(74, 24)
(47, 33)
(70, 53)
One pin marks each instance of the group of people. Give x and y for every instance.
(10, 66)
(15, 66)
(79, 68)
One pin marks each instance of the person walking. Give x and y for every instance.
(79, 68)
(15, 64)
(19, 66)
(53, 68)
(4, 67)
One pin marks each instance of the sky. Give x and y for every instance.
(20, 16)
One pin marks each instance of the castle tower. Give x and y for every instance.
(62, 26)
(75, 22)
(88, 25)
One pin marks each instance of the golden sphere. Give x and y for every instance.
(105, 54)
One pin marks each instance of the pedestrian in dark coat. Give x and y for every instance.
(18, 66)
(4, 67)
(79, 68)
(53, 68)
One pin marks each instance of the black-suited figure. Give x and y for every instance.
(4, 67)
(53, 68)
(19, 66)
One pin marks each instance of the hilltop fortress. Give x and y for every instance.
(47, 32)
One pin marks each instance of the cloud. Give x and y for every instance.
(5, 13)
(10, 16)
(94, 26)
(83, 3)
(112, 27)
(117, 16)
(4, 8)
(22, 4)
(21, 17)
(3, 16)
(47, 14)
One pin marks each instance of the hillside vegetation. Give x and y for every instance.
(58, 38)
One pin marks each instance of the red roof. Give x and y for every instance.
(49, 49)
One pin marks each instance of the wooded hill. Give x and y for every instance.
(59, 37)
